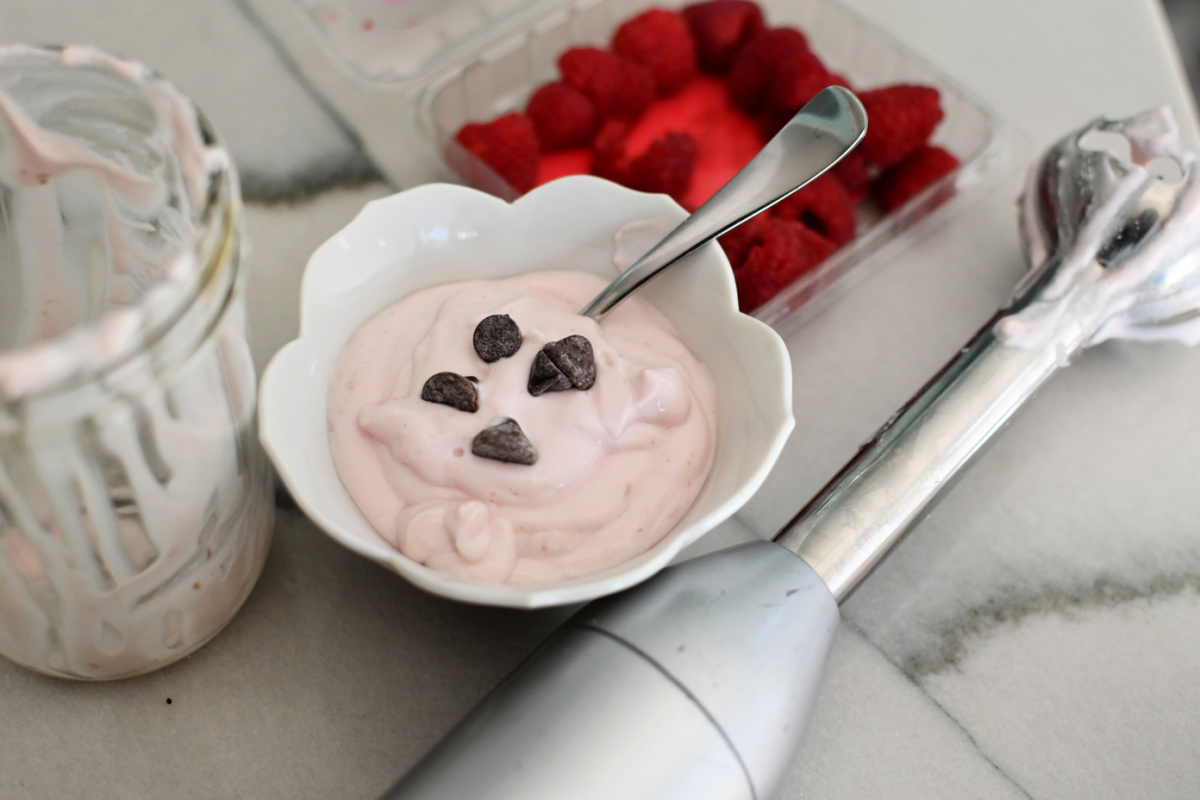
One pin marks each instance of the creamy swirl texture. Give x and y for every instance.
(617, 465)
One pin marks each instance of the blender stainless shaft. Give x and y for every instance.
(849, 527)
(814, 140)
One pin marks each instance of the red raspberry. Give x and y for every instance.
(619, 87)
(760, 58)
(609, 160)
(507, 144)
(900, 119)
(719, 28)
(666, 166)
(787, 251)
(910, 176)
(562, 116)
(854, 174)
(662, 42)
(737, 242)
(822, 206)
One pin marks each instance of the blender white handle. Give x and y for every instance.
(646, 695)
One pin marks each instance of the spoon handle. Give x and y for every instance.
(820, 134)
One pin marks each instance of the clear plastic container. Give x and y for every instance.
(395, 44)
(136, 506)
(496, 66)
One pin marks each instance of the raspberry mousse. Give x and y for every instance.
(487, 430)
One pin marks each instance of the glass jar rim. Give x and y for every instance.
(92, 351)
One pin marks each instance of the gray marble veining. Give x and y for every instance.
(286, 140)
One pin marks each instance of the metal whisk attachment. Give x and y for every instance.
(1112, 248)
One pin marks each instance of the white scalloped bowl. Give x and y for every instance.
(439, 233)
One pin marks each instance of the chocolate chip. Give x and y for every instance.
(504, 441)
(574, 358)
(451, 389)
(545, 377)
(472, 379)
(497, 337)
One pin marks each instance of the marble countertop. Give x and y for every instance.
(1038, 636)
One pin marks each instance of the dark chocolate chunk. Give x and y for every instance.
(451, 389)
(497, 337)
(574, 358)
(504, 441)
(545, 377)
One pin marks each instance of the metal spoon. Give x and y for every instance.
(821, 133)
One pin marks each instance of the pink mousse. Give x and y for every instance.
(618, 465)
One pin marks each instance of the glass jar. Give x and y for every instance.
(135, 501)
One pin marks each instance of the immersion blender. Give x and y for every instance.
(699, 684)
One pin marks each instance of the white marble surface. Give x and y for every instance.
(1038, 636)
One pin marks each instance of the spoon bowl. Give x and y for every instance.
(820, 134)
